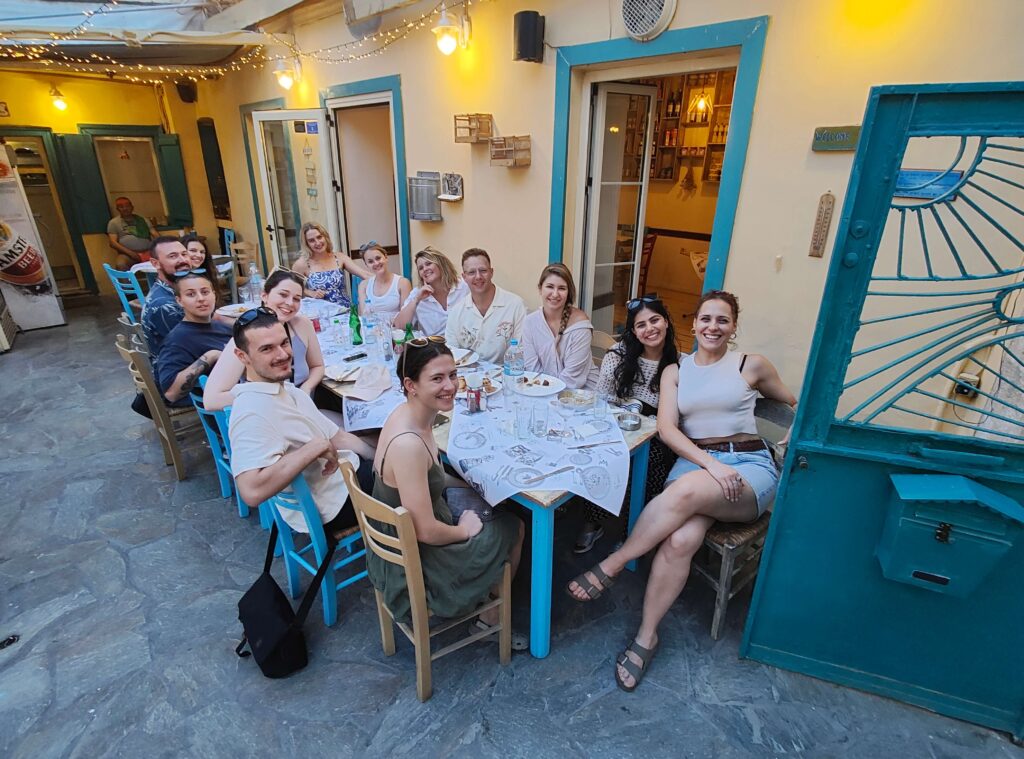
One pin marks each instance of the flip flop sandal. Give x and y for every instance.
(520, 641)
(634, 670)
(586, 540)
(593, 591)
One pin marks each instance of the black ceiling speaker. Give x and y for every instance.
(187, 91)
(529, 37)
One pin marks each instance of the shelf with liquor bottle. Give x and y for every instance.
(718, 126)
(634, 134)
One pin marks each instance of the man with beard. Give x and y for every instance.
(488, 320)
(162, 312)
(193, 347)
(277, 433)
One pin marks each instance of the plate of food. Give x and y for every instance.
(538, 384)
(576, 400)
(464, 357)
(233, 310)
(490, 386)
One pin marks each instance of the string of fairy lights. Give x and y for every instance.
(48, 54)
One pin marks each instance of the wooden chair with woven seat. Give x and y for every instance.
(142, 376)
(404, 551)
(130, 327)
(601, 343)
(732, 551)
(244, 253)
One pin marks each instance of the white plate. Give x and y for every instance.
(534, 390)
(233, 310)
(464, 357)
(495, 388)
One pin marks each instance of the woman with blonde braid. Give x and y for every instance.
(556, 337)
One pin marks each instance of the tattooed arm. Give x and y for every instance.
(188, 377)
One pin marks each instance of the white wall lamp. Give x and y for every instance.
(450, 33)
(58, 99)
(288, 73)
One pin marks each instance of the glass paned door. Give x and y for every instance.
(296, 178)
(622, 123)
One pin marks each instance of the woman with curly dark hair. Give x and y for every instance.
(631, 372)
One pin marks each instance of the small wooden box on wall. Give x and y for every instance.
(513, 151)
(473, 127)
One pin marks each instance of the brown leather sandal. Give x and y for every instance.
(593, 591)
(634, 670)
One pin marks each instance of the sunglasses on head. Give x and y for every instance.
(250, 315)
(633, 305)
(187, 272)
(420, 342)
(285, 268)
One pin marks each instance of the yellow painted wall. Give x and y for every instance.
(820, 61)
(100, 101)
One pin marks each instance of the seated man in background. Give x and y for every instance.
(162, 312)
(129, 233)
(487, 320)
(192, 348)
(276, 432)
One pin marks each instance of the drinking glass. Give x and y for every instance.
(539, 419)
(601, 402)
(522, 415)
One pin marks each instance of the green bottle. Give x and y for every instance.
(408, 333)
(355, 326)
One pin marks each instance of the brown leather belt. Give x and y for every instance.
(741, 446)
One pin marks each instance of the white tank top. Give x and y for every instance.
(387, 304)
(715, 400)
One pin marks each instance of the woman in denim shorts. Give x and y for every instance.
(724, 471)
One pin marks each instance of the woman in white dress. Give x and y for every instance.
(557, 336)
(383, 294)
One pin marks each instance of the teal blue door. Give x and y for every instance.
(895, 560)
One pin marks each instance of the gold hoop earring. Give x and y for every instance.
(693, 331)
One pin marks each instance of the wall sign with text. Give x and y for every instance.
(835, 138)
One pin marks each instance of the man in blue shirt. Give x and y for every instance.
(193, 347)
(162, 312)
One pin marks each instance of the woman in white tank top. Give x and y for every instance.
(724, 471)
(384, 293)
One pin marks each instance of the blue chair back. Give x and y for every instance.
(229, 240)
(298, 497)
(128, 289)
(216, 429)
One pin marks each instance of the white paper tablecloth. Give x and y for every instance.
(485, 451)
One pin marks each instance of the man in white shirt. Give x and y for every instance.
(277, 433)
(490, 317)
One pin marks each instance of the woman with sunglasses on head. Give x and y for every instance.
(383, 294)
(195, 345)
(557, 336)
(201, 259)
(440, 288)
(324, 270)
(631, 372)
(462, 558)
(724, 471)
(282, 293)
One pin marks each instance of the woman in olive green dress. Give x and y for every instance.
(462, 560)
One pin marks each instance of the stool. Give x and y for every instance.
(739, 549)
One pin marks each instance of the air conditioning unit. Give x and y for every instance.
(646, 19)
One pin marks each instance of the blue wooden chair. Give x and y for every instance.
(128, 290)
(216, 429)
(229, 239)
(299, 498)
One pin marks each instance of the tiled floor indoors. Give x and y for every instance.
(123, 584)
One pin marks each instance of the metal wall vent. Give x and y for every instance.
(646, 19)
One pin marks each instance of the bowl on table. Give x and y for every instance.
(576, 400)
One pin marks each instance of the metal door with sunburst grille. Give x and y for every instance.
(896, 550)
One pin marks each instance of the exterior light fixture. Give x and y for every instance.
(447, 33)
(58, 99)
(287, 73)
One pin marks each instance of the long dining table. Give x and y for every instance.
(542, 505)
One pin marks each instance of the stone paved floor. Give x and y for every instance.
(123, 583)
